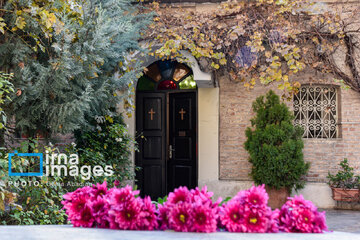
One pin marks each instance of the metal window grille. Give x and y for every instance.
(315, 109)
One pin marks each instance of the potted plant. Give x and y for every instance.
(275, 147)
(344, 184)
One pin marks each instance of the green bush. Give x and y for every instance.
(345, 177)
(6, 88)
(36, 204)
(275, 145)
(108, 144)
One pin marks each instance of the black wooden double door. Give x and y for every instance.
(167, 149)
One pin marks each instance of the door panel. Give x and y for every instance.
(152, 181)
(182, 115)
(182, 138)
(152, 148)
(164, 119)
(182, 176)
(150, 122)
(153, 107)
(183, 148)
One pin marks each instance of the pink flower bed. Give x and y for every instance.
(190, 211)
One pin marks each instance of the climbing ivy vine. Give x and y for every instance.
(262, 41)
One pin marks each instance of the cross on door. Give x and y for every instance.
(182, 112)
(151, 112)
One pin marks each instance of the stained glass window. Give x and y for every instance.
(166, 69)
(166, 75)
(180, 71)
(188, 83)
(167, 84)
(145, 84)
(153, 72)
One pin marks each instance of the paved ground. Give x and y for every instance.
(343, 220)
(345, 224)
(68, 232)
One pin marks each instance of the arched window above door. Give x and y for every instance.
(166, 75)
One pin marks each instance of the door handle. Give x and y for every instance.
(171, 150)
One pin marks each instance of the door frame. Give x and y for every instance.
(167, 133)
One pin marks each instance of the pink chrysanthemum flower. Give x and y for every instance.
(299, 201)
(148, 220)
(163, 216)
(70, 196)
(180, 217)
(255, 221)
(119, 196)
(127, 215)
(99, 190)
(67, 197)
(320, 222)
(256, 216)
(273, 223)
(76, 206)
(203, 196)
(85, 219)
(204, 218)
(256, 196)
(181, 194)
(191, 210)
(116, 183)
(112, 223)
(304, 219)
(104, 223)
(232, 216)
(100, 209)
(300, 215)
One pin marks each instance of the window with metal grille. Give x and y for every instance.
(316, 110)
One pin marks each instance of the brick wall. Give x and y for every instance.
(323, 154)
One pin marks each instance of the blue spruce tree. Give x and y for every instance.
(66, 76)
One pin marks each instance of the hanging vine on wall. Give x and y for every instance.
(261, 41)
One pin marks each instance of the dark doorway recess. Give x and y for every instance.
(166, 117)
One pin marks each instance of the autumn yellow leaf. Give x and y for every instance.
(2, 26)
(223, 61)
(315, 40)
(296, 84)
(215, 65)
(2, 205)
(268, 54)
(285, 78)
(296, 49)
(20, 22)
(253, 81)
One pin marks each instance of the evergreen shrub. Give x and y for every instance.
(275, 145)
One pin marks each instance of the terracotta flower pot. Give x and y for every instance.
(345, 195)
(277, 197)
